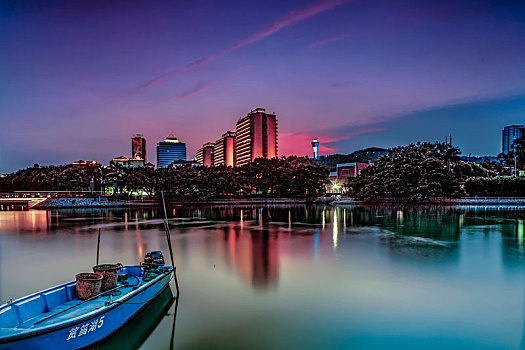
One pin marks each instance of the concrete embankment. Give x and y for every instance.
(264, 201)
(491, 201)
(233, 201)
(465, 201)
(80, 202)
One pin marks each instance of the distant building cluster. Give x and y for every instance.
(255, 136)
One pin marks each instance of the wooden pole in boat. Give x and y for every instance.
(98, 246)
(168, 237)
(71, 307)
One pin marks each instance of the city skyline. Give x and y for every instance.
(80, 77)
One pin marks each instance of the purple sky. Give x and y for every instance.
(78, 78)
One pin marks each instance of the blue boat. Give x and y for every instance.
(56, 319)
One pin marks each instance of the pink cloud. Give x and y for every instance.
(300, 143)
(287, 20)
(328, 41)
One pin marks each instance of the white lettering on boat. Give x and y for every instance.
(73, 333)
(83, 329)
(93, 325)
(86, 328)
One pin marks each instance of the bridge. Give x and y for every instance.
(23, 200)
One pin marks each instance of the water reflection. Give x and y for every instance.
(252, 255)
(137, 330)
(369, 269)
(253, 232)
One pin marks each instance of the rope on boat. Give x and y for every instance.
(151, 274)
(144, 302)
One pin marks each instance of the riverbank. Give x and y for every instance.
(80, 202)
(464, 201)
(108, 202)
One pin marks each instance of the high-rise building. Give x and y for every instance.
(315, 147)
(138, 147)
(205, 154)
(511, 133)
(256, 136)
(224, 150)
(170, 150)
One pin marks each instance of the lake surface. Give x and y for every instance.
(296, 277)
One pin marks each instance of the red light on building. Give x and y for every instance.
(138, 147)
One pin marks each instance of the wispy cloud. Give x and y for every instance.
(196, 90)
(287, 20)
(328, 41)
(204, 86)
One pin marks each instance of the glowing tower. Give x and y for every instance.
(315, 146)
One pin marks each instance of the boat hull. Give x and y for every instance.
(91, 330)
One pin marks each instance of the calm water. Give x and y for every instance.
(285, 277)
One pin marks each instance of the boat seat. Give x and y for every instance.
(134, 270)
(30, 308)
(55, 297)
(9, 318)
(71, 292)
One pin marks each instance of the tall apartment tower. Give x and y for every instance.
(256, 136)
(205, 154)
(511, 133)
(224, 150)
(138, 147)
(170, 150)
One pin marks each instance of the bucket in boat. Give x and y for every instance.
(88, 285)
(110, 273)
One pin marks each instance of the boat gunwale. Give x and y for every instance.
(95, 313)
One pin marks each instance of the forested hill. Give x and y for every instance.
(365, 155)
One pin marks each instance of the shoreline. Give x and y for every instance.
(104, 202)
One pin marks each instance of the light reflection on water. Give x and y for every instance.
(298, 276)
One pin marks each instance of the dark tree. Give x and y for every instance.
(417, 173)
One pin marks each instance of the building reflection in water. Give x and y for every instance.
(315, 244)
(520, 231)
(253, 254)
(335, 228)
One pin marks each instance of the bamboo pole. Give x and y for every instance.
(98, 246)
(168, 237)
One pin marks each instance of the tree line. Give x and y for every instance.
(422, 172)
(279, 177)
